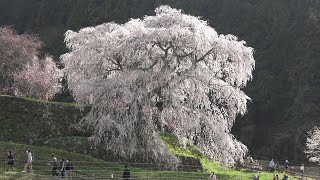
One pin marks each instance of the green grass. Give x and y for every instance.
(25, 120)
(222, 171)
(85, 166)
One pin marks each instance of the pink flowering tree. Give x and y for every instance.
(40, 78)
(168, 72)
(23, 73)
(313, 145)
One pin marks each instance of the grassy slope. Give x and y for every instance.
(86, 166)
(223, 172)
(25, 119)
(43, 117)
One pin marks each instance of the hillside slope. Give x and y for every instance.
(88, 167)
(30, 121)
(27, 120)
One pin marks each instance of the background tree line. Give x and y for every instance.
(285, 90)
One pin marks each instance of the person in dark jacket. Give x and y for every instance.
(126, 173)
(285, 177)
(69, 168)
(62, 168)
(286, 165)
(10, 159)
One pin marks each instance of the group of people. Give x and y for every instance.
(64, 168)
(27, 166)
(273, 166)
(275, 177)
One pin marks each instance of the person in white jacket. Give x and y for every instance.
(28, 165)
(271, 165)
(302, 170)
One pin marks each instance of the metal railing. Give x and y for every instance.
(42, 169)
(113, 170)
(291, 170)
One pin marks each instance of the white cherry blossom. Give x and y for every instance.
(313, 145)
(168, 72)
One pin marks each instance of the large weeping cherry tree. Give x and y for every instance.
(313, 145)
(168, 72)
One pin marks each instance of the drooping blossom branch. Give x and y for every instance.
(170, 69)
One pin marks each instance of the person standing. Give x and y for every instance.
(54, 165)
(62, 168)
(302, 170)
(69, 168)
(10, 159)
(126, 173)
(212, 176)
(28, 165)
(286, 165)
(271, 165)
(276, 166)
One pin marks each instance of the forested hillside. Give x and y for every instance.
(285, 90)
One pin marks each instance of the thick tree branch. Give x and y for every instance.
(204, 56)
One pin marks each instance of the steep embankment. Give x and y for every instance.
(30, 121)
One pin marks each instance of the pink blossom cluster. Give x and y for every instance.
(23, 72)
(40, 79)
